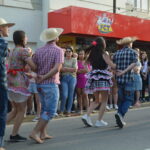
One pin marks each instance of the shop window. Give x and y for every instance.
(141, 5)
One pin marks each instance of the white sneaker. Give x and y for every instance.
(124, 123)
(116, 106)
(100, 123)
(111, 106)
(36, 119)
(87, 120)
(107, 107)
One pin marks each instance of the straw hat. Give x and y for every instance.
(50, 34)
(126, 40)
(3, 22)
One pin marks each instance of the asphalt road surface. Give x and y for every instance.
(70, 134)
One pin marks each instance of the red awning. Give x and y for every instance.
(77, 20)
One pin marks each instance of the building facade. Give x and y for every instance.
(31, 15)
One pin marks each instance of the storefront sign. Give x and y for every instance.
(79, 21)
(104, 23)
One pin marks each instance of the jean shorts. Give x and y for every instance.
(33, 88)
(49, 96)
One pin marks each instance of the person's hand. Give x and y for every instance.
(120, 72)
(144, 76)
(28, 75)
(40, 78)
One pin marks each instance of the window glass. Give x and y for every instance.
(138, 3)
(144, 4)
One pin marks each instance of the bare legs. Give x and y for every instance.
(104, 99)
(44, 135)
(40, 128)
(82, 99)
(17, 113)
(137, 102)
(100, 98)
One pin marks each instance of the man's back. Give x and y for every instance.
(123, 58)
(45, 58)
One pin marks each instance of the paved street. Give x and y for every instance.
(70, 134)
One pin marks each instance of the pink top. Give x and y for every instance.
(45, 58)
(81, 79)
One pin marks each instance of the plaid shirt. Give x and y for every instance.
(3, 55)
(123, 58)
(45, 58)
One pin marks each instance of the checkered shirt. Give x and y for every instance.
(123, 58)
(3, 55)
(45, 58)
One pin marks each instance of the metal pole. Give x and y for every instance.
(114, 6)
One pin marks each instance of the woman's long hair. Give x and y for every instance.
(19, 38)
(95, 53)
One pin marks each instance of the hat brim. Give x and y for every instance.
(124, 42)
(8, 24)
(43, 38)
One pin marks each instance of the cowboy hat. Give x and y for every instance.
(50, 34)
(3, 22)
(126, 40)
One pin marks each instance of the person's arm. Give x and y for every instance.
(31, 64)
(108, 61)
(26, 56)
(59, 60)
(131, 66)
(71, 69)
(50, 74)
(68, 69)
(84, 70)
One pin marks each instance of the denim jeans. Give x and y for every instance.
(68, 83)
(3, 109)
(125, 96)
(49, 96)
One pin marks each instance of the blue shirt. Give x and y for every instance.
(123, 58)
(3, 55)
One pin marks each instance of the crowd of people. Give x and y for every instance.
(56, 76)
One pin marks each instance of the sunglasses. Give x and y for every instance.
(68, 51)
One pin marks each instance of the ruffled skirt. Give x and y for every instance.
(98, 80)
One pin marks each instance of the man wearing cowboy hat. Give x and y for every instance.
(48, 60)
(125, 59)
(4, 32)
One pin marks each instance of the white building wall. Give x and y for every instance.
(92, 4)
(28, 20)
(123, 6)
(31, 15)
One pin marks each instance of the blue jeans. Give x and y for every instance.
(68, 83)
(49, 96)
(3, 111)
(125, 96)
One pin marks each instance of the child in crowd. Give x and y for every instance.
(33, 90)
(113, 97)
(82, 97)
(137, 80)
(144, 72)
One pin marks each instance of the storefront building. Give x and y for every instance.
(81, 25)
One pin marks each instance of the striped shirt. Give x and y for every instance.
(3, 55)
(45, 58)
(123, 58)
